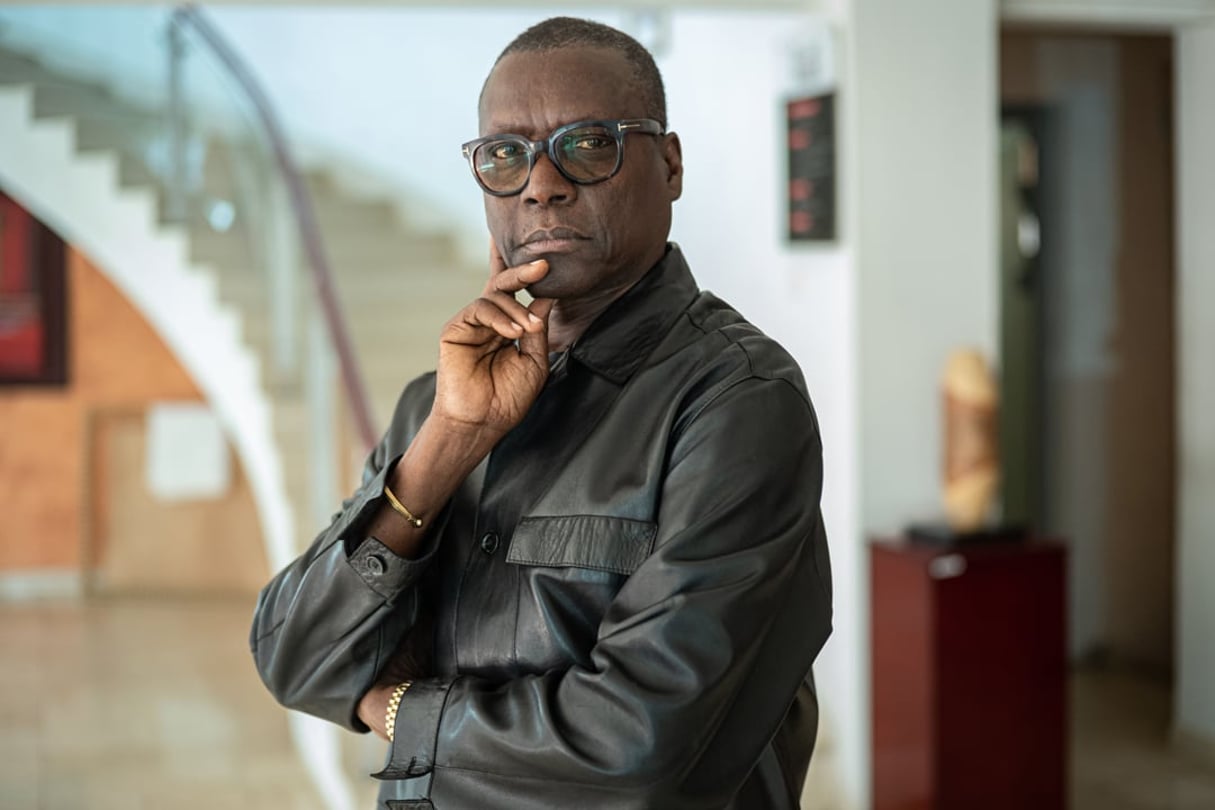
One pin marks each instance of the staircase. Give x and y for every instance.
(396, 285)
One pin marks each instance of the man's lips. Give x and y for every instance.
(551, 240)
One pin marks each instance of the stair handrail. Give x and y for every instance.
(305, 215)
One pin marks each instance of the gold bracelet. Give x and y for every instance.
(400, 509)
(394, 703)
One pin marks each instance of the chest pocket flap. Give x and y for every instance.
(598, 542)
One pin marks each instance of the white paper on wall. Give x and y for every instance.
(811, 57)
(187, 454)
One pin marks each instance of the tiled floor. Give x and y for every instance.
(138, 704)
(1121, 759)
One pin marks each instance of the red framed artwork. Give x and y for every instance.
(33, 300)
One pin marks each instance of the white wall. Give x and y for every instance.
(927, 246)
(923, 128)
(1194, 698)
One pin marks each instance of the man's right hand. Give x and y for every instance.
(493, 355)
(493, 361)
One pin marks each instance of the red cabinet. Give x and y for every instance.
(969, 676)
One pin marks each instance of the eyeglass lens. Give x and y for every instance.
(585, 154)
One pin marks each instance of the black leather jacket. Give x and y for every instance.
(626, 596)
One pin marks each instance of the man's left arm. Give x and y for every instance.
(703, 648)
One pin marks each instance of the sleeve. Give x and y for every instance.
(702, 650)
(325, 625)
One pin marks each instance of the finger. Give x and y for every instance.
(518, 312)
(474, 323)
(542, 308)
(534, 343)
(513, 279)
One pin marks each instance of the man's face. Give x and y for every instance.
(597, 238)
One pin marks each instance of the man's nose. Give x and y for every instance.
(547, 185)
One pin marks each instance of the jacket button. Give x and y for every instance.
(375, 564)
(489, 543)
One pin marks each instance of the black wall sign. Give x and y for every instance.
(812, 168)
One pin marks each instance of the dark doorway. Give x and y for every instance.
(1088, 331)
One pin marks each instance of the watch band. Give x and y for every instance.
(394, 703)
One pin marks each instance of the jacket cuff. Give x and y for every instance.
(378, 566)
(412, 752)
(366, 503)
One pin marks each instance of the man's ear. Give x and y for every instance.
(672, 155)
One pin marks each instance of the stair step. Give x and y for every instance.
(405, 335)
(16, 68)
(393, 370)
(228, 162)
(401, 290)
(136, 139)
(321, 183)
(387, 248)
(90, 103)
(368, 335)
(135, 173)
(337, 214)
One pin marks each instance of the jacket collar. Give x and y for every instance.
(622, 337)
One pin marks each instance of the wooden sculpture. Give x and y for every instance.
(971, 469)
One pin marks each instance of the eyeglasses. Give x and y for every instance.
(585, 152)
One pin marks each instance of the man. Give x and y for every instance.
(594, 533)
